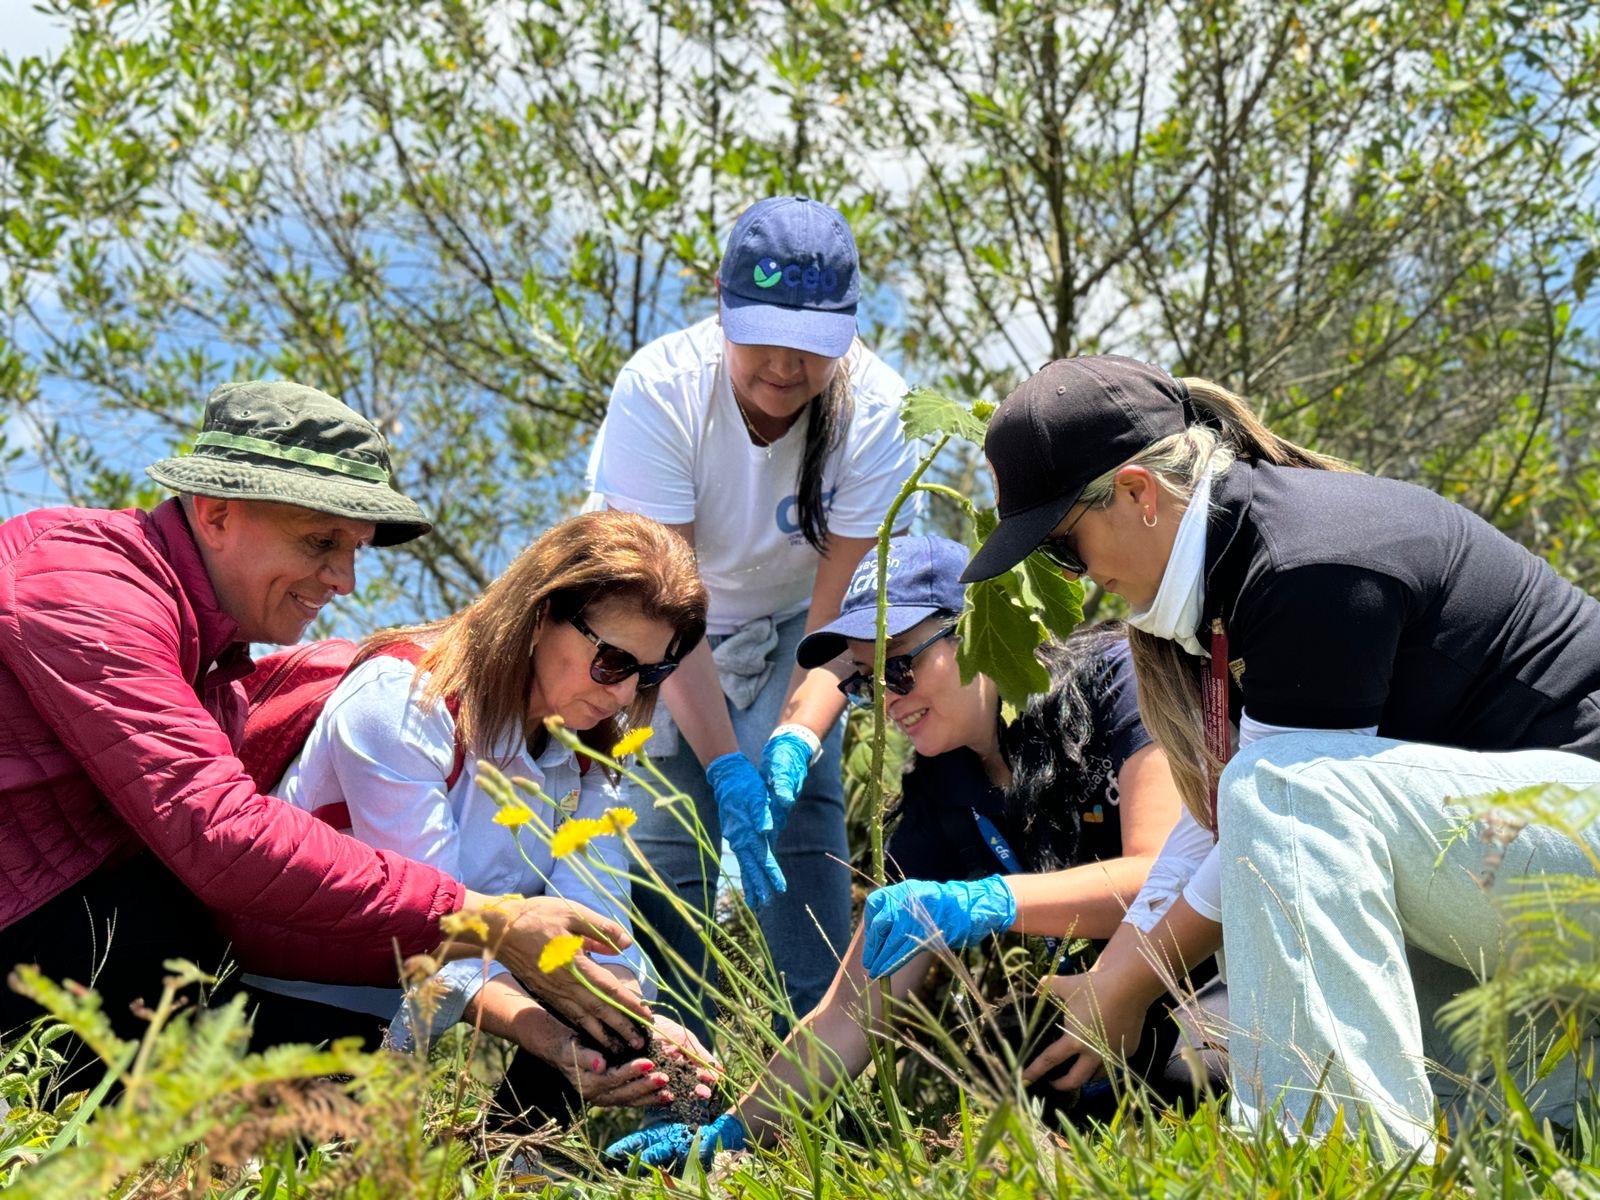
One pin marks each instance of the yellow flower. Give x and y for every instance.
(575, 834)
(631, 741)
(458, 922)
(618, 819)
(559, 952)
(513, 815)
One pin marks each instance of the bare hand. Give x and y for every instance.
(1097, 1022)
(679, 1045)
(519, 929)
(634, 1084)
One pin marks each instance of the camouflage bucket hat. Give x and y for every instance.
(285, 442)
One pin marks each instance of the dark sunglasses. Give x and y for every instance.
(612, 664)
(1060, 551)
(897, 676)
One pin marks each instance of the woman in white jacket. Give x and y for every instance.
(583, 626)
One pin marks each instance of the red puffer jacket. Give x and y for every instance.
(119, 712)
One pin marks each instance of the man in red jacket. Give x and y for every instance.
(126, 820)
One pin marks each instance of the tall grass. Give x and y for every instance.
(187, 1111)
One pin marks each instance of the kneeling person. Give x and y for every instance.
(583, 626)
(127, 824)
(1044, 826)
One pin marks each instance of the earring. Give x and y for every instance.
(1150, 519)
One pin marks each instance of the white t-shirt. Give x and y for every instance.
(376, 749)
(674, 447)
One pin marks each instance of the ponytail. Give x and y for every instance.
(1244, 433)
(1169, 688)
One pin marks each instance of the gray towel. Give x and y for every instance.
(744, 664)
(743, 661)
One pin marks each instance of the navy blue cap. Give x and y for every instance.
(924, 578)
(791, 277)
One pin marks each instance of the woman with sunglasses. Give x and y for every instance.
(1387, 658)
(770, 437)
(583, 626)
(1046, 826)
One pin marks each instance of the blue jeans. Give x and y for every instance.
(808, 927)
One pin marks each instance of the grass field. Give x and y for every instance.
(188, 1112)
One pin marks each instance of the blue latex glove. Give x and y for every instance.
(669, 1146)
(784, 762)
(747, 824)
(906, 918)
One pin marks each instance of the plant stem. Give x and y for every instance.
(882, 1053)
(949, 493)
(880, 719)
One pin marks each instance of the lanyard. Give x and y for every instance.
(1215, 704)
(996, 841)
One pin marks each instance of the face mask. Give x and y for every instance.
(1175, 612)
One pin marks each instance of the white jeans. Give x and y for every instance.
(1353, 907)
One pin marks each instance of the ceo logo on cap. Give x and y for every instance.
(790, 278)
(770, 435)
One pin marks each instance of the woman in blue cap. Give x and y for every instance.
(1046, 825)
(769, 436)
(1387, 657)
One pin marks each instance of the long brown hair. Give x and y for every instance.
(483, 655)
(1169, 688)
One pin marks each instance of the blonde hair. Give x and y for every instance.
(483, 656)
(1170, 701)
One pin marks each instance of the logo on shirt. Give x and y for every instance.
(788, 514)
(568, 804)
(769, 273)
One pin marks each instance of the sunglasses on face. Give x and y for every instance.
(1058, 547)
(897, 676)
(612, 664)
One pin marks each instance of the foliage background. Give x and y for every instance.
(1375, 221)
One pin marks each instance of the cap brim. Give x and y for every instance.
(1016, 537)
(827, 643)
(816, 331)
(397, 517)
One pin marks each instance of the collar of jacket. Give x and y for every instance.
(1227, 553)
(220, 643)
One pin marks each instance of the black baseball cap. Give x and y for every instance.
(1064, 427)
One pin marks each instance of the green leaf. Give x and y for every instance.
(999, 634)
(1058, 600)
(927, 413)
(984, 521)
(1583, 273)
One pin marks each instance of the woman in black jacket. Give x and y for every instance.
(1386, 655)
